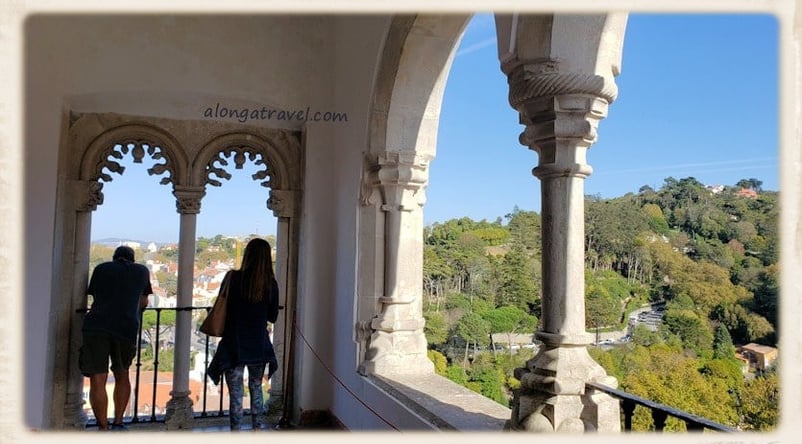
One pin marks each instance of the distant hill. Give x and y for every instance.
(115, 241)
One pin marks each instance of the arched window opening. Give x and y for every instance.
(135, 182)
(234, 210)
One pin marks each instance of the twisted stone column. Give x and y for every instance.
(561, 111)
(397, 343)
(179, 413)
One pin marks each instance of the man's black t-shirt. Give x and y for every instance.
(117, 288)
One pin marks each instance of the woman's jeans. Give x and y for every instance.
(234, 381)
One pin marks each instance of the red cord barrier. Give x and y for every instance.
(300, 333)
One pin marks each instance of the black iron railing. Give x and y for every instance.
(660, 412)
(137, 411)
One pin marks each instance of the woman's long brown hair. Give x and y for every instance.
(257, 269)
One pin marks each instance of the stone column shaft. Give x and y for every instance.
(74, 413)
(283, 204)
(179, 413)
(561, 128)
(87, 196)
(397, 343)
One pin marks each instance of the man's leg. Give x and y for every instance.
(121, 354)
(98, 399)
(122, 393)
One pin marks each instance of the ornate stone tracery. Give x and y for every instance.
(138, 148)
(216, 166)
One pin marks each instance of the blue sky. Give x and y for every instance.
(698, 96)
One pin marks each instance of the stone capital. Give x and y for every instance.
(401, 179)
(87, 194)
(188, 198)
(532, 79)
(561, 129)
(282, 202)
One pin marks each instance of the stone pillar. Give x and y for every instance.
(179, 413)
(397, 343)
(88, 196)
(283, 205)
(561, 128)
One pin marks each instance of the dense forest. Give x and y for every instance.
(710, 255)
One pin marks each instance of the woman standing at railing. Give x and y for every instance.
(252, 303)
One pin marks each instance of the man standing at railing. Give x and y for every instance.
(120, 290)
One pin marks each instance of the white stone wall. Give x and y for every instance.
(152, 66)
(175, 68)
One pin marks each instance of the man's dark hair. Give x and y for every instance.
(124, 252)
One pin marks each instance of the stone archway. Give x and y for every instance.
(403, 129)
(561, 71)
(186, 158)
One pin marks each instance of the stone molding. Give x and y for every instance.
(568, 116)
(179, 414)
(283, 203)
(400, 177)
(543, 78)
(188, 199)
(87, 194)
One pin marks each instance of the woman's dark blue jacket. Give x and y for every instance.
(245, 338)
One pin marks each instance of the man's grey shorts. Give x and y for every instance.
(98, 348)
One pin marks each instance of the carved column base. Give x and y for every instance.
(397, 352)
(275, 403)
(179, 415)
(552, 397)
(74, 415)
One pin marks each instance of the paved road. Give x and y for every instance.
(618, 334)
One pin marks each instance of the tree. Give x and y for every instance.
(656, 218)
(167, 281)
(510, 320)
(751, 184)
(722, 344)
(435, 329)
(693, 330)
(744, 326)
(524, 227)
(601, 309)
(99, 253)
(759, 404)
(517, 281)
(439, 361)
(166, 324)
(474, 330)
(766, 293)
(663, 375)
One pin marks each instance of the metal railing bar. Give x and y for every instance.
(694, 422)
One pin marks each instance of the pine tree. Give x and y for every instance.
(722, 344)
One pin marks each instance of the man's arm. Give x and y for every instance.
(148, 290)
